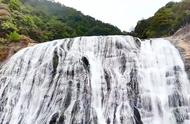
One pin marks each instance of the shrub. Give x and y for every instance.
(14, 36)
(7, 25)
(14, 4)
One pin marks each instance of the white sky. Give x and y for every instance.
(122, 13)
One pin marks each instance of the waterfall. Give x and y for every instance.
(95, 80)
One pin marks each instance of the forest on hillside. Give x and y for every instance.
(166, 21)
(44, 20)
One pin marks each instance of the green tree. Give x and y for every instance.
(14, 4)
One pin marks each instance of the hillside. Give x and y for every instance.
(44, 20)
(28, 21)
(166, 21)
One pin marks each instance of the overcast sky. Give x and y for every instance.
(121, 13)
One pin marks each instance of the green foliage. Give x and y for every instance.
(166, 20)
(58, 21)
(29, 21)
(8, 25)
(44, 20)
(14, 4)
(14, 37)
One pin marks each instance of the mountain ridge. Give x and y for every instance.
(38, 21)
(165, 22)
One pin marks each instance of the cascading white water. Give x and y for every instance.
(95, 80)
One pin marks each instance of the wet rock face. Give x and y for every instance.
(137, 116)
(184, 48)
(95, 80)
(181, 40)
(9, 49)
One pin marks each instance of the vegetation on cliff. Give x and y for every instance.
(166, 21)
(44, 20)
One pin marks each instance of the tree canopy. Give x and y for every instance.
(166, 21)
(45, 20)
